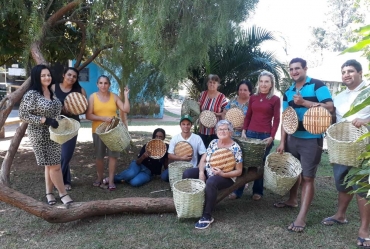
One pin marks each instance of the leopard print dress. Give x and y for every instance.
(33, 107)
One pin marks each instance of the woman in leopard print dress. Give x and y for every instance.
(39, 108)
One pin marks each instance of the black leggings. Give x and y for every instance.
(213, 184)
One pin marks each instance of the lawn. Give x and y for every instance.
(241, 223)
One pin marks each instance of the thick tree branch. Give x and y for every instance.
(93, 56)
(82, 27)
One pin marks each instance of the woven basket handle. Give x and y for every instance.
(59, 117)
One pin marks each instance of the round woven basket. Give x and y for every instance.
(343, 147)
(223, 159)
(208, 119)
(235, 116)
(290, 120)
(75, 103)
(281, 172)
(253, 151)
(175, 170)
(157, 148)
(188, 196)
(316, 120)
(183, 148)
(67, 129)
(190, 107)
(114, 135)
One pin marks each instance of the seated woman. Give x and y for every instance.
(141, 170)
(215, 178)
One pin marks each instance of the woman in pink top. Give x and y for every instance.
(262, 119)
(214, 101)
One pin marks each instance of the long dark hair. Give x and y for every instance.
(36, 80)
(76, 85)
(160, 130)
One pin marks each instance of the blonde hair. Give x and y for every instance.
(272, 78)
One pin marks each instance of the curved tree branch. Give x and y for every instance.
(93, 56)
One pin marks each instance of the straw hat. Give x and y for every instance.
(223, 159)
(208, 119)
(183, 148)
(75, 103)
(290, 120)
(157, 148)
(235, 116)
(317, 120)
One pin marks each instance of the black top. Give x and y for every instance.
(155, 165)
(62, 96)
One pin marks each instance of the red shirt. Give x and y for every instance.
(263, 114)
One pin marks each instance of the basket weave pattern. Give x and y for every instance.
(235, 116)
(183, 148)
(253, 151)
(316, 120)
(223, 159)
(281, 172)
(75, 103)
(175, 170)
(208, 119)
(342, 146)
(114, 135)
(67, 129)
(188, 196)
(290, 120)
(157, 148)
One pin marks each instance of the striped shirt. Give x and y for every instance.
(216, 104)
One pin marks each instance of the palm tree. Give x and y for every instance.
(244, 59)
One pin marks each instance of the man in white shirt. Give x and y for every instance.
(193, 139)
(352, 78)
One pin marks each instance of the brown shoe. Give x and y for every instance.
(256, 197)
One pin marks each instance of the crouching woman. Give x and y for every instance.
(215, 178)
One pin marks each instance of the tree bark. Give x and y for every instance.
(9, 157)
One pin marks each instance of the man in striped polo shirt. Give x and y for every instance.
(304, 93)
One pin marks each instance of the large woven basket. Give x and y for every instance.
(67, 129)
(208, 119)
(190, 107)
(76, 103)
(188, 196)
(223, 159)
(289, 120)
(281, 172)
(183, 148)
(175, 170)
(253, 151)
(342, 146)
(236, 116)
(157, 148)
(316, 120)
(114, 135)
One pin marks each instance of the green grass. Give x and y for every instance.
(241, 223)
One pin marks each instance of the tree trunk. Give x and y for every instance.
(122, 114)
(10, 154)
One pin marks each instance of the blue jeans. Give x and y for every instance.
(136, 175)
(258, 184)
(68, 149)
(165, 176)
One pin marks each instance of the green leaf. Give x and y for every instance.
(361, 101)
(364, 155)
(368, 147)
(363, 137)
(364, 30)
(357, 47)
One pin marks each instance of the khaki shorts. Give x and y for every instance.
(101, 149)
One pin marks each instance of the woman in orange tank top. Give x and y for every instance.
(103, 107)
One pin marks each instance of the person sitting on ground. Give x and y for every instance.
(143, 168)
(193, 139)
(215, 178)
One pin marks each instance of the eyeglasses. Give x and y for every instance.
(223, 130)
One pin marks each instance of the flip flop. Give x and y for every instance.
(329, 221)
(300, 228)
(362, 240)
(204, 223)
(97, 184)
(284, 205)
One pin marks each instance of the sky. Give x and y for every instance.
(291, 21)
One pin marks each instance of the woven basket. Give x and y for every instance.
(342, 146)
(316, 120)
(253, 151)
(183, 148)
(290, 120)
(188, 196)
(157, 148)
(114, 135)
(281, 172)
(223, 159)
(67, 129)
(76, 103)
(175, 170)
(208, 119)
(190, 107)
(235, 116)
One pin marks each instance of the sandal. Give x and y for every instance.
(68, 202)
(112, 187)
(361, 241)
(204, 223)
(97, 184)
(106, 181)
(50, 202)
